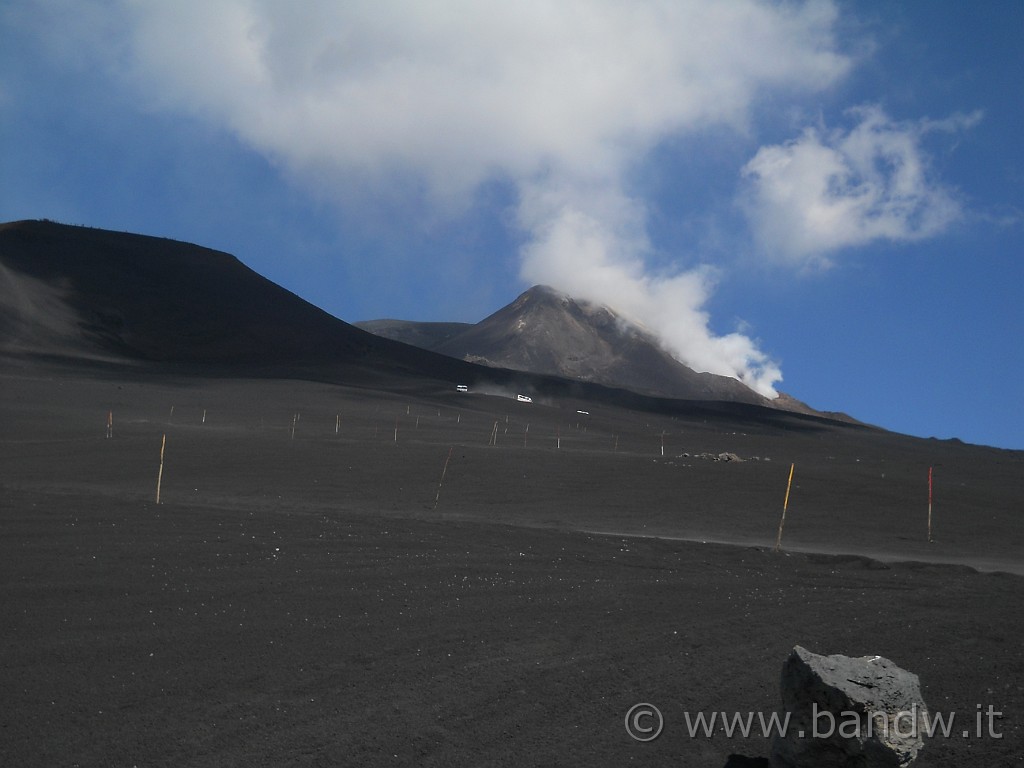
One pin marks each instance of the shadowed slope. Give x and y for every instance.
(89, 293)
(426, 335)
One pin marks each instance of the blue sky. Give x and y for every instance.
(821, 198)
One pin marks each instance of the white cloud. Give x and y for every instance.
(559, 98)
(464, 89)
(830, 190)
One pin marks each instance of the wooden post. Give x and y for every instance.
(110, 423)
(337, 423)
(443, 471)
(785, 506)
(160, 474)
(204, 416)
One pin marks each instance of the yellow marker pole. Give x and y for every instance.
(160, 474)
(785, 506)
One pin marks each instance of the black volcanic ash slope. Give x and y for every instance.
(75, 292)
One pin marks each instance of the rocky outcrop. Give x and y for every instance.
(848, 713)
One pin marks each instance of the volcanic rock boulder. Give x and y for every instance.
(848, 713)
